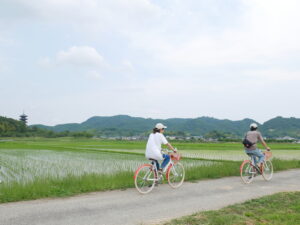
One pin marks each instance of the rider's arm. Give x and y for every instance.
(264, 143)
(165, 142)
(171, 147)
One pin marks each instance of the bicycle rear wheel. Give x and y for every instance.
(175, 175)
(267, 171)
(144, 178)
(247, 171)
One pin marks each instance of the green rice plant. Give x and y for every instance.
(36, 168)
(31, 174)
(27, 165)
(234, 155)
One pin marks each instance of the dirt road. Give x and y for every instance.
(130, 207)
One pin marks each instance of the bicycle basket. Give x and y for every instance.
(175, 156)
(268, 154)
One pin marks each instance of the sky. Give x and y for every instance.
(64, 61)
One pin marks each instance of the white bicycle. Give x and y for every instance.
(249, 170)
(147, 175)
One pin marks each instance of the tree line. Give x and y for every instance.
(14, 128)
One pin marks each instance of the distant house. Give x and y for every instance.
(286, 138)
(171, 138)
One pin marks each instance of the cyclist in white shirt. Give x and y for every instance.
(153, 149)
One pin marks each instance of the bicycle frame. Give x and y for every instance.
(171, 163)
(150, 176)
(249, 169)
(252, 160)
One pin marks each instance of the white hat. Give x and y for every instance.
(160, 126)
(253, 125)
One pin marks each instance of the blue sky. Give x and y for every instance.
(64, 61)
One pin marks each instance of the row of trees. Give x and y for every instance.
(14, 128)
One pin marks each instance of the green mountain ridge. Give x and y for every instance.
(124, 125)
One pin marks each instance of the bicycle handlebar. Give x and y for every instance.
(168, 151)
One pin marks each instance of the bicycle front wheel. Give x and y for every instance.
(175, 175)
(247, 172)
(144, 178)
(267, 171)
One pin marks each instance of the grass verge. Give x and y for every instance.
(72, 185)
(278, 209)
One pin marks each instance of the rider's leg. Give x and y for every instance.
(166, 160)
(256, 154)
(261, 157)
(256, 159)
(253, 154)
(250, 154)
(157, 164)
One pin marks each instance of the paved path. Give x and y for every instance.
(130, 207)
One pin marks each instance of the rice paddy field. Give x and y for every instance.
(38, 168)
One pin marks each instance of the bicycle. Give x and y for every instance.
(147, 175)
(249, 169)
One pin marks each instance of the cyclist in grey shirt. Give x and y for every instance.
(254, 136)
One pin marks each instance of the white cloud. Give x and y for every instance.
(267, 30)
(1, 65)
(180, 34)
(188, 55)
(93, 75)
(99, 15)
(273, 75)
(80, 56)
(45, 62)
(127, 65)
(84, 57)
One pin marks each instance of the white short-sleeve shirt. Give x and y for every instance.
(153, 148)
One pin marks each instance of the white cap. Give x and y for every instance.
(160, 126)
(253, 125)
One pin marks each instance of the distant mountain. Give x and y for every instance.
(123, 125)
(280, 127)
(127, 125)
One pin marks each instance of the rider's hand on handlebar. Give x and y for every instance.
(268, 149)
(175, 150)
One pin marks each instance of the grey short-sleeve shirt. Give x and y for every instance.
(254, 137)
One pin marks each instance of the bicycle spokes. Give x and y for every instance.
(175, 175)
(267, 171)
(145, 178)
(247, 172)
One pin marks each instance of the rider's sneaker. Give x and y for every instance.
(156, 184)
(261, 167)
(258, 169)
